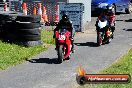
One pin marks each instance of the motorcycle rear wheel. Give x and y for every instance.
(68, 58)
(99, 39)
(60, 54)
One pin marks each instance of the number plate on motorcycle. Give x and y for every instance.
(61, 37)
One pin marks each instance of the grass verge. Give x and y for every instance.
(47, 37)
(11, 54)
(122, 66)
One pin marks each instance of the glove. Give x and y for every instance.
(71, 37)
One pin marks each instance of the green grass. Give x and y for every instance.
(11, 54)
(47, 37)
(122, 66)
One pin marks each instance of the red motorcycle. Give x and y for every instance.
(63, 43)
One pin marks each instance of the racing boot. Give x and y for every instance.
(72, 49)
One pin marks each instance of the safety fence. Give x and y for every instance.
(48, 10)
(27, 18)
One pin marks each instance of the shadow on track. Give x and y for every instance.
(119, 20)
(130, 20)
(129, 30)
(44, 60)
(90, 44)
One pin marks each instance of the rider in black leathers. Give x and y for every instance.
(105, 13)
(64, 22)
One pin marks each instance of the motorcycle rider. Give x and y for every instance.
(111, 17)
(65, 22)
(105, 14)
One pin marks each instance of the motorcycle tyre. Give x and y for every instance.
(60, 54)
(68, 58)
(99, 40)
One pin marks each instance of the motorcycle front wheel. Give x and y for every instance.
(99, 39)
(60, 54)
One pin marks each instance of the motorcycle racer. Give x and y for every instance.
(64, 23)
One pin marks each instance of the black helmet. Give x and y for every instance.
(65, 17)
(109, 7)
(102, 10)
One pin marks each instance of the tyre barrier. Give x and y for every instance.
(29, 43)
(35, 31)
(15, 28)
(21, 25)
(27, 25)
(27, 18)
(9, 16)
(1, 30)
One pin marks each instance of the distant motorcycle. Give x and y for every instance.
(104, 33)
(63, 45)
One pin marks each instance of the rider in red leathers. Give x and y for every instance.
(65, 23)
(109, 15)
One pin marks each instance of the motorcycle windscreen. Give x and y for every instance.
(102, 24)
(62, 31)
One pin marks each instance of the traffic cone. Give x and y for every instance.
(44, 15)
(34, 11)
(5, 7)
(57, 14)
(24, 6)
(44, 10)
(57, 18)
(40, 11)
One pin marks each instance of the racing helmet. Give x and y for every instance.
(65, 17)
(110, 10)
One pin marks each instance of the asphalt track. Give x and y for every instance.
(43, 72)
